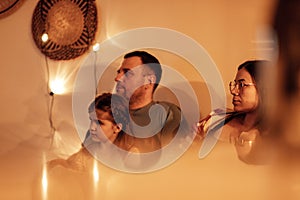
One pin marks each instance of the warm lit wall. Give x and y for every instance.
(227, 29)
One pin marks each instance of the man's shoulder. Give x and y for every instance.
(173, 111)
(168, 105)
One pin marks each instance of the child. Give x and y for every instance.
(109, 116)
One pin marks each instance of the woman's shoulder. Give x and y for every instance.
(225, 121)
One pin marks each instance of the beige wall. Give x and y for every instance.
(227, 30)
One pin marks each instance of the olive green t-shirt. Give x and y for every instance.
(157, 119)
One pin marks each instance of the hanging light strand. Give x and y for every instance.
(51, 94)
(95, 74)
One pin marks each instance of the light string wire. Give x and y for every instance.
(50, 108)
(95, 74)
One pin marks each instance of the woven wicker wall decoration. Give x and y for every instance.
(7, 7)
(71, 26)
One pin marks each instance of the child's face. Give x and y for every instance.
(102, 129)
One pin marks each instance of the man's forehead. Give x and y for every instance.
(131, 62)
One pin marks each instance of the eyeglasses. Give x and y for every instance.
(239, 85)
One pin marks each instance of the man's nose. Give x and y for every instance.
(118, 77)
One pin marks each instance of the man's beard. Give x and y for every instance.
(137, 96)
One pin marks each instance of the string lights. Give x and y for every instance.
(54, 87)
(50, 108)
(57, 86)
(45, 37)
(96, 48)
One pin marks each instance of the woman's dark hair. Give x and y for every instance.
(254, 68)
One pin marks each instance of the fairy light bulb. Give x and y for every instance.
(45, 37)
(96, 47)
(57, 86)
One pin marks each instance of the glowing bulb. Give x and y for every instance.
(45, 37)
(96, 47)
(57, 86)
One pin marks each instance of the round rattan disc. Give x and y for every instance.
(70, 25)
(8, 6)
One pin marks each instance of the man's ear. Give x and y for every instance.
(117, 128)
(152, 79)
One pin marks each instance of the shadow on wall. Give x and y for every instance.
(200, 89)
(61, 142)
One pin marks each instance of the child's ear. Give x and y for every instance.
(118, 128)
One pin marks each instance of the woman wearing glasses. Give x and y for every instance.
(243, 126)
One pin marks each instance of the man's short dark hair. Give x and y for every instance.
(151, 61)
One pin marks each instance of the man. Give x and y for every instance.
(153, 124)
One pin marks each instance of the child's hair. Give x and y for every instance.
(115, 105)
